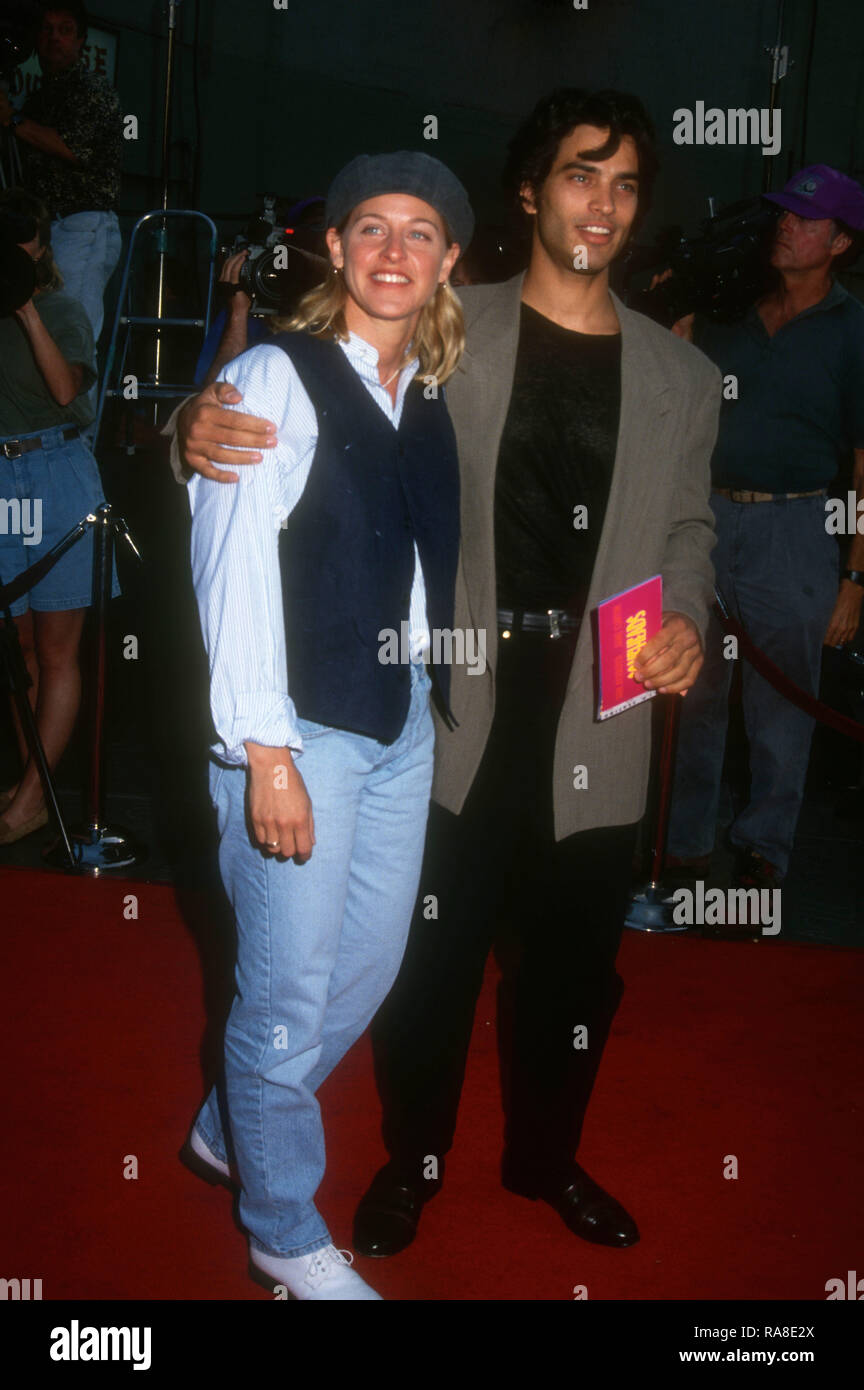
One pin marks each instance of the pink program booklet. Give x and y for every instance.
(625, 623)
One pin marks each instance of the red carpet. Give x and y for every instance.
(719, 1049)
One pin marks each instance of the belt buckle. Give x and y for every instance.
(553, 615)
(13, 444)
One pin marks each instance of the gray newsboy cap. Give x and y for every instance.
(403, 171)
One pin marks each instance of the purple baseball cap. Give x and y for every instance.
(819, 191)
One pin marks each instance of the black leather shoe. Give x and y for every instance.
(583, 1206)
(388, 1214)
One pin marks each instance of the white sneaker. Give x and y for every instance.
(201, 1151)
(325, 1274)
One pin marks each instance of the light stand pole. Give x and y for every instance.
(780, 65)
(162, 232)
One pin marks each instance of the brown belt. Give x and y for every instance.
(743, 495)
(14, 448)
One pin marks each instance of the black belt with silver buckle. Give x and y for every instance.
(14, 448)
(555, 622)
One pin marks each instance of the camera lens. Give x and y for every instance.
(267, 280)
(17, 277)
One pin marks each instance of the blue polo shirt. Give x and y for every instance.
(257, 331)
(800, 406)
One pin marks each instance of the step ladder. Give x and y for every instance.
(126, 323)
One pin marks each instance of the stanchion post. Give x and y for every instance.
(102, 555)
(667, 764)
(648, 910)
(97, 845)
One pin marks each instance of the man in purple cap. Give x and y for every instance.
(796, 364)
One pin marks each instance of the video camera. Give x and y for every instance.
(17, 269)
(718, 273)
(285, 260)
(19, 23)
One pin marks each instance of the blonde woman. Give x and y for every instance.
(46, 370)
(345, 534)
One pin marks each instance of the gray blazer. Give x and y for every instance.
(657, 521)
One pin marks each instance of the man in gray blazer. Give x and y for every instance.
(585, 433)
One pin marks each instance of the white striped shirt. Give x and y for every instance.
(235, 557)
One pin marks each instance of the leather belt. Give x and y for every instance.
(743, 495)
(14, 448)
(555, 622)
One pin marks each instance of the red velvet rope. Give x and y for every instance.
(817, 709)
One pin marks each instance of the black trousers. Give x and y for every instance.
(495, 873)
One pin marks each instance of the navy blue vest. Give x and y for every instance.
(346, 551)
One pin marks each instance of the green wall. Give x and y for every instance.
(287, 95)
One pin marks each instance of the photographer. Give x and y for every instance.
(46, 369)
(249, 273)
(232, 331)
(71, 131)
(797, 360)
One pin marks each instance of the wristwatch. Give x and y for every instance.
(857, 576)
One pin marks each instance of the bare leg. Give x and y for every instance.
(57, 640)
(26, 638)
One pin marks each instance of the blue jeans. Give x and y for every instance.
(56, 485)
(86, 247)
(777, 569)
(318, 947)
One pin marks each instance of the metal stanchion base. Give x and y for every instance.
(649, 912)
(97, 848)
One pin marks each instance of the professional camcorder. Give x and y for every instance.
(718, 273)
(17, 269)
(19, 21)
(286, 254)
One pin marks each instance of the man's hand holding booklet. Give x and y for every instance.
(641, 650)
(625, 622)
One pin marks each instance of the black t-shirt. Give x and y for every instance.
(557, 454)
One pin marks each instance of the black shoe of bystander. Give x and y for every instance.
(389, 1212)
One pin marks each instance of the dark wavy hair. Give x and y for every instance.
(25, 217)
(75, 8)
(532, 151)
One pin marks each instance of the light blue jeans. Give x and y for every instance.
(777, 569)
(86, 247)
(318, 946)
